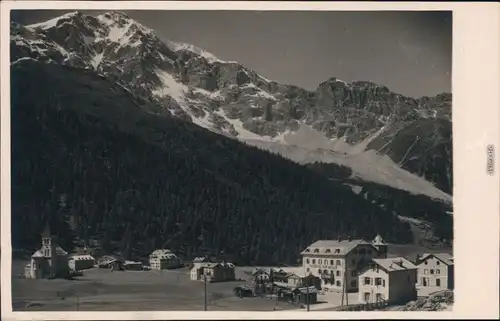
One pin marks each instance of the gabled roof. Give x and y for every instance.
(82, 257)
(334, 247)
(305, 290)
(446, 258)
(395, 264)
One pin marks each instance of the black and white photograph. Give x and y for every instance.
(224, 160)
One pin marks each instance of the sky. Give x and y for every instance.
(410, 52)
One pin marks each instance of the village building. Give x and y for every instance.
(435, 272)
(305, 295)
(212, 271)
(337, 262)
(50, 261)
(389, 280)
(111, 262)
(81, 262)
(132, 266)
(164, 259)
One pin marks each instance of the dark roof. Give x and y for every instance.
(446, 258)
(334, 247)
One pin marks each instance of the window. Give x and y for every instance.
(331, 262)
(338, 273)
(331, 272)
(353, 273)
(367, 281)
(338, 262)
(424, 282)
(437, 263)
(353, 262)
(383, 282)
(367, 296)
(438, 282)
(432, 271)
(308, 269)
(425, 262)
(327, 251)
(325, 271)
(320, 261)
(307, 261)
(338, 283)
(314, 261)
(353, 283)
(319, 271)
(437, 271)
(378, 281)
(316, 251)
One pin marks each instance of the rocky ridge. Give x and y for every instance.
(225, 97)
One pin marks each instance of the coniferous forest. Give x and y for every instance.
(96, 163)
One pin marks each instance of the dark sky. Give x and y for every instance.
(408, 51)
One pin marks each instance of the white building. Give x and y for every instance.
(337, 262)
(389, 279)
(49, 261)
(435, 272)
(164, 259)
(213, 272)
(81, 262)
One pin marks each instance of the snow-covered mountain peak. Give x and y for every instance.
(68, 17)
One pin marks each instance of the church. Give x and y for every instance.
(50, 261)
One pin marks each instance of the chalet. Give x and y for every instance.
(164, 259)
(212, 272)
(390, 280)
(306, 295)
(50, 261)
(435, 272)
(111, 262)
(132, 266)
(337, 262)
(81, 262)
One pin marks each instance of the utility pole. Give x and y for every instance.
(345, 286)
(307, 296)
(205, 289)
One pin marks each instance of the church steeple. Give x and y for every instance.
(46, 236)
(379, 243)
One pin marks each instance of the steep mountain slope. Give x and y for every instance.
(232, 100)
(86, 153)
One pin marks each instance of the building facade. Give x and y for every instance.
(390, 279)
(50, 261)
(164, 259)
(338, 262)
(212, 272)
(81, 262)
(435, 272)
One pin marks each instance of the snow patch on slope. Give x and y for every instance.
(52, 22)
(171, 87)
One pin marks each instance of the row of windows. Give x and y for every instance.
(375, 281)
(437, 263)
(426, 271)
(426, 282)
(325, 262)
(361, 251)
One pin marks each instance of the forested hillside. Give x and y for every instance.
(86, 156)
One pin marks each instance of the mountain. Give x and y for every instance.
(90, 160)
(147, 134)
(347, 119)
